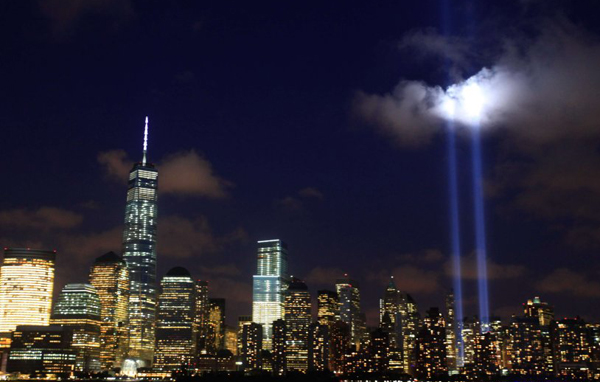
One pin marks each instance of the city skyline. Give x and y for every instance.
(287, 122)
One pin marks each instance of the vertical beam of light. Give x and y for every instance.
(455, 241)
(480, 240)
(454, 211)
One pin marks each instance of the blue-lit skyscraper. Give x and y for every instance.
(139, 252)
(269, 283)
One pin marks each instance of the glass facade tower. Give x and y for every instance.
(139, 252)
(269, 283)
(110, 276)
(175, 326)
(78, 308)
(26, 286)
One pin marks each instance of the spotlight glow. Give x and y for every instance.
(472, 98)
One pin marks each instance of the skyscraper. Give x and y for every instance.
(410, 322)
(389, 315)
(328, 307)
(26, 285)
(349, 295)
(110, 276)
(139, 252)
(78, 308)
(431, 346)
(269, 284)
(297, 315)
(215, 334)
(174, 329)
(201, 315)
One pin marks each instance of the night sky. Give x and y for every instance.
(310, 122)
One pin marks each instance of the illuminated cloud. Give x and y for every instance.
(297, 202)
(183, 173)
(566, 281)
(44, 218)
(541, 91)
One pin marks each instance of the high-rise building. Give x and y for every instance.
(242, 321)
(269, 283)
(215, 335)
(379, 351)
(26, 286)
(78, 308)
(328, 307)
(389, 312)
(174, 331)
(339, 345)
(110, 276)
(431, 346)
(252, 337)
(201, 316)
(297, 308)
(542, 310)
(410, 326)
(350, 313)
(525, 346)
(139, 252)
(571, 348)
(43, 349)
(279, 347)
(318, 347)
(452, 352)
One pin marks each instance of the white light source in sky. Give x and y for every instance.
(468, 102)
(472, 99)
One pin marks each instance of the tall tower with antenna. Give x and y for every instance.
(139, 252)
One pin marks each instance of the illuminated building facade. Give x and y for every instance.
(339, 345)
(350, 313)
(431, 346)
(242, 321)
(571, 348)
(26, 286)
(279, 347)
(41, 349)
(139, 252)
(110, 276)
(389, 312)
(525, 346)
(174, 329)
(318, 347)
(542, 310)
(297, 308)
(410, 326)
(252, 345)
(451, 330)
(78, 308)
(328, 307)
(379, 351)
(215, 334)
(201, 316)
(269, 283)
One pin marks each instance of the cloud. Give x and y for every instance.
(540, 101)
(116, 163)
(428, 42)
(296, 203)
(410, 278)
(426, 256)
(311, 192)
(179, 237)
(323, 276)
(566, 281)
(495, 271)
(182, 173)
(44, 218)
(65, 14)
(542, 91)
(85, 247)
(187, 173)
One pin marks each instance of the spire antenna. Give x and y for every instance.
(145, 142)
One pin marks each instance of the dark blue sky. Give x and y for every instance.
(266, 95)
